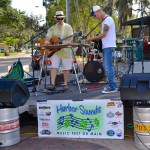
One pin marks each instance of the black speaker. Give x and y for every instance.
(135, 87)
(13, 93)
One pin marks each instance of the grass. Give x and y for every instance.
(13, 53)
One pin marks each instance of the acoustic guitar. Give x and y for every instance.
(55, 41)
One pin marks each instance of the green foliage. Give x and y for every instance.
(4, 3)
(16, 28)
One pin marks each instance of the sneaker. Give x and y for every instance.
(51, 87)
(117, 88)
(109, 90)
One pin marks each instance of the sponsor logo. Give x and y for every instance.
(46, 132)
(119, 133)
(44, 107)
(110, 114)
(48, 113)
(119, 105)
(118, 114)
(110, 133)
(110, 104)
(44, 119)
(41, 114)
(114, 123)
(45, 124)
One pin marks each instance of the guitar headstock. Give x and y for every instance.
(78, 34)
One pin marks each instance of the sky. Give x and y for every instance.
(34, 7)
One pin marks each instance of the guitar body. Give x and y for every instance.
(42, 43)
(54, 41)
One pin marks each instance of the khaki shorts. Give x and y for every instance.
(67, 63)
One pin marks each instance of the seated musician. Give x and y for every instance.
(55, 36)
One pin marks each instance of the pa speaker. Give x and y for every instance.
(135, 87)
(13, 93)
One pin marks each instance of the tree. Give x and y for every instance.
(15, 24)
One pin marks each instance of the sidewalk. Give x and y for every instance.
(19, 55)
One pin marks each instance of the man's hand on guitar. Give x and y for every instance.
(47, 42)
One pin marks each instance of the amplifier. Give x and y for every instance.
(135, 87)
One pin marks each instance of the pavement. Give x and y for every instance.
(29, 126)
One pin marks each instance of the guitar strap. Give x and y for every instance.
(62, 34)
(95, 26)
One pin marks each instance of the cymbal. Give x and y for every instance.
(125, 46)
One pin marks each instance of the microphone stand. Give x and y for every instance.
(141, 35)
(141, 41)
(32, 46)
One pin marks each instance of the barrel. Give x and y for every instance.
(141, 117)
(9, 127)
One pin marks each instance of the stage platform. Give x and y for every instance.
(85, 90)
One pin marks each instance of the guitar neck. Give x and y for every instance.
(66, 38)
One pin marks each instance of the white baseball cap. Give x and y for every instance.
(94, 9)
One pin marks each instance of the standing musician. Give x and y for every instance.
(55, 36)
(108, 36)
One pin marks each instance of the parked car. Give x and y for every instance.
(1, 50)
(46, 67)
(36, 60)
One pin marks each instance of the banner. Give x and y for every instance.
(102, 118)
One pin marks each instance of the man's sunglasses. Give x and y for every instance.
(60, 18)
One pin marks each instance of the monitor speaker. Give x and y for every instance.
(13, 93)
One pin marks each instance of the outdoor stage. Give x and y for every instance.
(85, 90)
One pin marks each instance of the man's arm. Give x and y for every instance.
(101, 35)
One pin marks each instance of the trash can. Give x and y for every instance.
(141, 120)
(9, 127)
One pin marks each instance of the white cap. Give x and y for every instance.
(94, 9)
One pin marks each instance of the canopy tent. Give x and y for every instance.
(143, 22)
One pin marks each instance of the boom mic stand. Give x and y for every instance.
(141, 34)
(32, 46)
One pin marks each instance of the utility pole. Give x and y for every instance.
(67, 12)
(45, 4)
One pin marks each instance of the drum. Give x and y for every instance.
(92, 56)
(93, 71)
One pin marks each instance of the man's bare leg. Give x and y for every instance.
(53, 74)
(66, 75)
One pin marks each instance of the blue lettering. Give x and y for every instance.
(68, 108)
(95, 111)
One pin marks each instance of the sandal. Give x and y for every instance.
(51, 87)
(65, 87)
